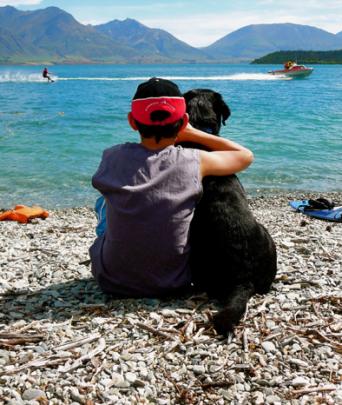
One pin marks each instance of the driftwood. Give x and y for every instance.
(313, 333)
(154, 331)
(78, 343)
(304, 391)
(86, 357)
(13, 339)
(52, 359)
(37, 363)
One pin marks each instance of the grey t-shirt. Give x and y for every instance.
(151, 197)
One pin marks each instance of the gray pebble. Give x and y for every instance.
(198, 369)
(4, 358)
(130, 377)
(273, 400)
(299, 381)
(31, 394)
(119, 381)
(269, 347)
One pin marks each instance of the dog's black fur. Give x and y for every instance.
(232, 255)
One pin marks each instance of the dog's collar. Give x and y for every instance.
(207, 130)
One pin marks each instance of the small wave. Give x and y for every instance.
(37, 78)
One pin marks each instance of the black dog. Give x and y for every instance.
(232, 255)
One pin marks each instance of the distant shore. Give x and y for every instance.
(302, 57)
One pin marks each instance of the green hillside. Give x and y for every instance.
(302, 57)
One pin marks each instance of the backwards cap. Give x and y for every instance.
(158, 95)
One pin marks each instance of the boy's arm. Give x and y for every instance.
(227, 157)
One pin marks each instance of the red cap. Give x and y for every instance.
(143, 107)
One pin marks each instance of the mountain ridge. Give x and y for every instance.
(267, 38)
(150, 40)
(52, 35)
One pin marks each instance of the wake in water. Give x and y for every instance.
(22, 78)
(37, 78)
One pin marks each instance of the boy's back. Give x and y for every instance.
(150, 195)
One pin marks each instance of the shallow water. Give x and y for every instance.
(52, 135)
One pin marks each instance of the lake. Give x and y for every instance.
(52, 135)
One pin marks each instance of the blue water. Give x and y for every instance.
(52, 135)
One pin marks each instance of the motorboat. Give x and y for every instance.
(291, 69)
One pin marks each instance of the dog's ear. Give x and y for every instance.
(222, 107)
(189, 95)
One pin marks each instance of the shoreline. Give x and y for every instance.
(64, 342)
(252, 195)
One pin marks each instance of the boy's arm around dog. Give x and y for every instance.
(225, 157)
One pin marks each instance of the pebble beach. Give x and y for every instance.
(63, 342)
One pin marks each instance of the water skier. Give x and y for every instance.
(46, 75)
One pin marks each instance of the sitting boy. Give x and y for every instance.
(151, 189)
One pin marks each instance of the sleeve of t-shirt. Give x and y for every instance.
(101, 180)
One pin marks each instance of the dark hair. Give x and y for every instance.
(159, 131)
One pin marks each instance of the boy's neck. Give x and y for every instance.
(150, 143)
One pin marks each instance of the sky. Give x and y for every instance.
(201, 22)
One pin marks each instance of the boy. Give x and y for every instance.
(151, 189)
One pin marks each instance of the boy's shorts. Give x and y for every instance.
(100, 209)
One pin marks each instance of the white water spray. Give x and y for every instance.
(20, 77)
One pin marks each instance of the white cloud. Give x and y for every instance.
(19, 2)
(308, 4)
(204, 30)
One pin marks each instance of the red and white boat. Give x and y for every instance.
(291, 69)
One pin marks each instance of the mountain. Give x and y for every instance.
(153, 44)
(9, 43)
(254, 41)
(52, 34)
(339, 34)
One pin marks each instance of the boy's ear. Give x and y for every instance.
(132, 122)
(185, 121)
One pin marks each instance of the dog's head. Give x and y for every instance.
(206, 109)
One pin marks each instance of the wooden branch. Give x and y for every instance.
(79, 362)
(154, 331)
(78, 342)
(245, 341)
(49, 359)
(13, 339)
(37, 363)
(217, 384)
(299, 393)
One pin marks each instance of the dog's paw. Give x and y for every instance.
(223, 322)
